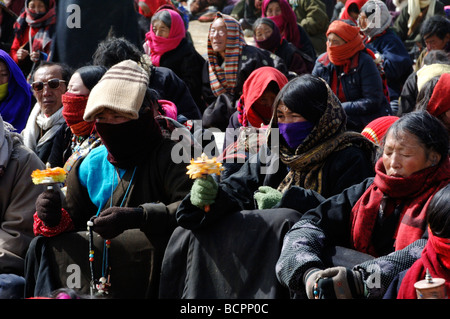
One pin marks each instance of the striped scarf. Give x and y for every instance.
(40, 22)
(329, 135)
(223, 80)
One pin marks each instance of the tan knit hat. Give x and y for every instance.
(121, 89)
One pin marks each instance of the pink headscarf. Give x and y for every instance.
(286, 22)
(159, 45)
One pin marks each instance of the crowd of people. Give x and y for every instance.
(334, 160)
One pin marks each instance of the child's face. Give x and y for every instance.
(37, 6)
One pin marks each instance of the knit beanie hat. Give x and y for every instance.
(440, 99)
(378, 17)
(122, 89)
(376, 129)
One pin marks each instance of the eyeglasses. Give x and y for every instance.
(53, 84)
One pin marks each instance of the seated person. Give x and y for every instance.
(349, 69)
(379, 223)
(127, 184)
(435, 256)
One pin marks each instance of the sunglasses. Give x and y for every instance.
(53, 84)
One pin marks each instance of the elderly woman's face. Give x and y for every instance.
(334, 40)
(404, 155)
(218, 35)
(161, 29)
(262, 32)
(110, 117)
(273, 9)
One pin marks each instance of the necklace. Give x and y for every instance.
(103, 284)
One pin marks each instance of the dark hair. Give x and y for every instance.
(436, 56)
(435, 25)
(438, 213)
(430, 131)
(66, 71)
(353, 8)
(115, 50)
(424, 95)
(91, 74)
(150, 102)
(306, 95)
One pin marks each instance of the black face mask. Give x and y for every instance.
(128, 143)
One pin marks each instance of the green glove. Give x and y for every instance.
(267, 197)
(204, 191)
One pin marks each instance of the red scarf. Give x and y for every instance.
(160, 45)
(341, 54)
(415, 191)
(436, 258)
(286, 22)
(73, 110)
(40, 23)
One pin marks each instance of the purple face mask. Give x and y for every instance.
(295, 133)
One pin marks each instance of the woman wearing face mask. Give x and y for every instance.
(267, 36)
(349, 69)
(317, 158)
(281, 12)
(128, 184)
(76, 137)
(315, 152)
(34, 30)
(15, 93)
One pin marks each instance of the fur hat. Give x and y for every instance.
(376, 129)
(122, 89)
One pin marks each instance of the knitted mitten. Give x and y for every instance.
(267, 197)
(204, 191)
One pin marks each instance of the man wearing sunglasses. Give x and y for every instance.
(49, 84)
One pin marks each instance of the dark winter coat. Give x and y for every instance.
(362, 86)
(397, 62)
(172, 88)
(188, 64)
(158, 187)
(327, 226)
(296, 60)
(341, 170)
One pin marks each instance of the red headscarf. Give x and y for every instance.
(341, 54)
(440, 99)
(345, 15)
(253, 88)
(159, 45)
(415, 191)
(436, 258)
(286, 22)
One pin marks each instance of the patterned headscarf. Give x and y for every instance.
(329, 135)
(224, 79)
(41, 21)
